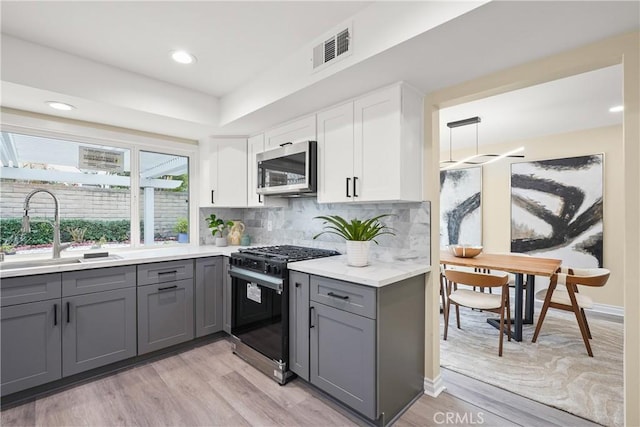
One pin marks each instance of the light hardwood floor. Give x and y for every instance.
(210, 386)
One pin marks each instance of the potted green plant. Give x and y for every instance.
(8, 249)
(182, 228)
(358, 233)
(218, 225)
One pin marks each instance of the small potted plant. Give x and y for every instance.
(357, 233)
(182, 228)
(7, 249)
(218, 225)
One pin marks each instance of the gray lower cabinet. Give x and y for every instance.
(209, 295)
(299, 324)
(364, 345)
(165, 315)
(31, 345)
(226, 295)
(343, 357)
(98, 329)
(85, 326)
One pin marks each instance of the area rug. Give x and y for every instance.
(555, 371)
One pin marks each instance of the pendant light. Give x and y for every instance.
(475, 159)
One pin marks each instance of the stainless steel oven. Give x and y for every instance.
(289, 170)
(260, 305)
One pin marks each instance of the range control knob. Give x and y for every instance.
(267, 268)
(276, 269)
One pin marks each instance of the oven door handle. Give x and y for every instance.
(270, 282)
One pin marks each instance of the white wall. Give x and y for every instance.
(496, 196)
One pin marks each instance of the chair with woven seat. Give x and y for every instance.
(498, 303)
(567, 297)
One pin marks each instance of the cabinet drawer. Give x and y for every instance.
(357, 299)
(20, 290)
(103, 279)
(160, 272)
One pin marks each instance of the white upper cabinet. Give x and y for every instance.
(255, 145)
(299, 130)
(371, 149)
(335, 154)
(223, 172)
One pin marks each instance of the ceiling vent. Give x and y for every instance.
(334, 47)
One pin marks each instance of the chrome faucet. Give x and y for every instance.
(26, 227)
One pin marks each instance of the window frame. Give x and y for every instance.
(98, 134)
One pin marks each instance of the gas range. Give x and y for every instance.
(272, 260)
(260, 305)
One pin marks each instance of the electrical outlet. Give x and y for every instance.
(269, 225)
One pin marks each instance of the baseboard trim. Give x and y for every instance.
(434, 387)
(608, 310)
(611, 310)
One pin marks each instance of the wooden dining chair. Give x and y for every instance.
(479, 300)
(567, 297)
(443, 291)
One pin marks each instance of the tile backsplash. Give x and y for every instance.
(295, 225)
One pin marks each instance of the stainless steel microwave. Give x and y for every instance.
(289, 170)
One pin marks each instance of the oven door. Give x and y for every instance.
(259, 314)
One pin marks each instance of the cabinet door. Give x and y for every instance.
(335, 154)
(299, 130)
(232, 172)
(226, 294)
(223, 172)
(98, 329)
(165, 315)
(31, 346)
(377, 146)
(207, 171)
(343, 348)
(255, 145)
(299, 324)
(208, 295)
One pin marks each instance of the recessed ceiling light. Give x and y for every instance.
(183, 57)
(60, 105)
(616, 109)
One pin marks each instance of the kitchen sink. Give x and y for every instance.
(11, 265)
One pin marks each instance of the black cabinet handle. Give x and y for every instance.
(212, 196)
(166, 288)
(167, 272)
(355, 178)
(55, 314)
(348, 182)
(297, 285)
(68, 312)
(311, 325)
(331, 294)
(286, 143)
(259, 198)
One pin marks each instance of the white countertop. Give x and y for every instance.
(125, 257)
(376, 274)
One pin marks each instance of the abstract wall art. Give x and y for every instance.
(557, 209)
(460, 213)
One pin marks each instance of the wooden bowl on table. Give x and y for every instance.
(465, 251)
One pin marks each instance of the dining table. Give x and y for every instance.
(519, 266)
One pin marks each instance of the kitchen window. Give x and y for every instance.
(111, 195)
